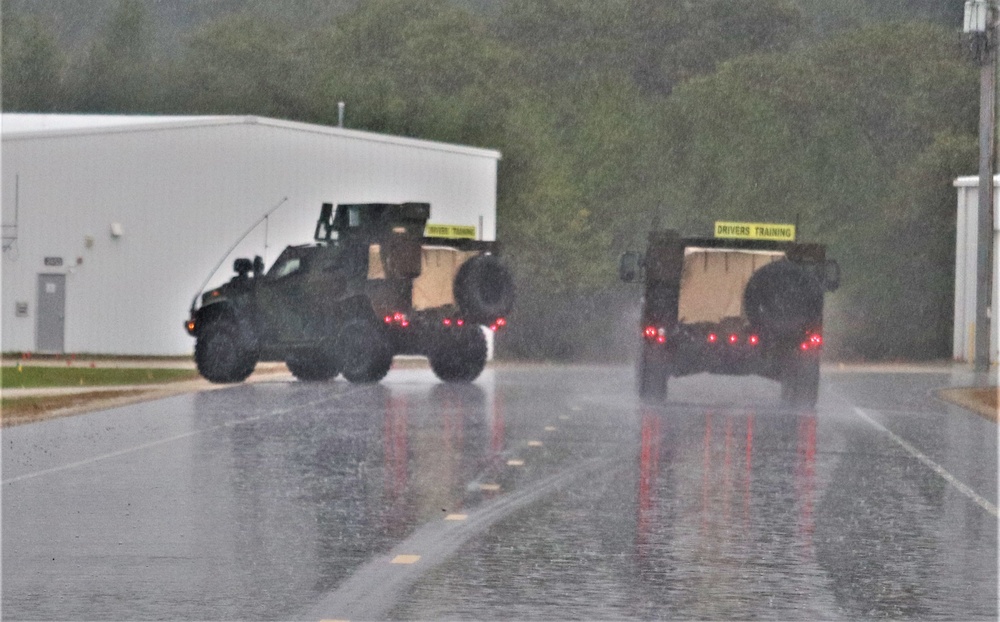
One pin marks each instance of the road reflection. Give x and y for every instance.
(346, 474)
(716, 490)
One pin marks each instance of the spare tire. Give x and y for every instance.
(484, 289)
(783, 298)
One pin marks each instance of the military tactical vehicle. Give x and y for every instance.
(370, 286)
(748, 301)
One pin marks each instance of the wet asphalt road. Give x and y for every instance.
(536, 493)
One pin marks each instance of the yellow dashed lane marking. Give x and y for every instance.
(515, 463)
(405, 559)
(534, 443)
(456, 517)
(489, 487)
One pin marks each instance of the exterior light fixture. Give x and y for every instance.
(977, 14)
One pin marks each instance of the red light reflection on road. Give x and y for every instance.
(649, 468)
(395, 448)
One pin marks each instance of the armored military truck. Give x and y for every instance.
(371, 285)
(748, 301)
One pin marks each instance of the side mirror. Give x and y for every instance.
(242, 266)
(258, 266)
(629, 266)
(831, 275)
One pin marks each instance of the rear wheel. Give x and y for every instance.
(224, 353)
(312, 366)
(654, 370)
(459, 355)
(800, 381)
(362, 351)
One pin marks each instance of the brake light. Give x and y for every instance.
(501, 321)
(734, 338)
(753, 340)
(446, 321)
(397, 318)
(813, 341)
(650, 332)
(712, 337)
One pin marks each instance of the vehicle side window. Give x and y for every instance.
(283, 269)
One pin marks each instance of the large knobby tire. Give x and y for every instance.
(362, 351)
(800, 381)
(783, 298)
(312, 366)
(223, 353)
(653, 372)
(484, 289)
(459, 355)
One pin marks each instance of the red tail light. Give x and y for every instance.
(813, 341)
(650, 332)
(501, 321)
(446, 321)
(397, 318)
(753, 340)
(712, 337)
(734, 338)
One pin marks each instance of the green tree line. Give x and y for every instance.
(851, 118)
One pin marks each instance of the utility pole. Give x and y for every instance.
(980, 28)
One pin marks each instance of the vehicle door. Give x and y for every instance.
(282, 298)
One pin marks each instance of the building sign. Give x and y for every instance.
(53, 261)
(451, 231)
(755, 231)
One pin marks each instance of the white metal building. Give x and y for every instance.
(111, 223)
(965, 269)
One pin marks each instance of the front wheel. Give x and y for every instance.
(459, 355)
(362, 351)
(654, 370)
(223, 353)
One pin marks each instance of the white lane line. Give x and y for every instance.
(162, 441)
(934, 466)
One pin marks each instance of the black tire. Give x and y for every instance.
(312, 366)
(362, 351)
(484, 289)
(223, 353)
(800, 381)
(654, 371)
(783, 298)
(459, 355)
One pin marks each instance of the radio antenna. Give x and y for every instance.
(194, 303)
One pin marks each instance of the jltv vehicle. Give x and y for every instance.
(371, 286)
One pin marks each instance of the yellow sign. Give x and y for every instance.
(755, 231)
(466, 232)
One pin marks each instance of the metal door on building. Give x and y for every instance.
(50, 328)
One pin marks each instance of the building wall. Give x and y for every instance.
(183, 194)
(966, 270)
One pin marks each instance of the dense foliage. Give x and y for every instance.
(609, 113)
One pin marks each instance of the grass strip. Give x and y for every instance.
(24, 376)
(980, 400)
(27, 409)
